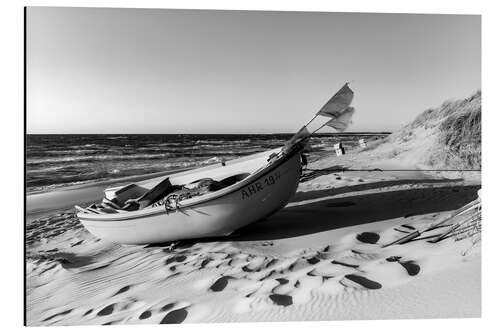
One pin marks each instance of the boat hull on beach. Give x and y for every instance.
(244, 190)
(268, 188)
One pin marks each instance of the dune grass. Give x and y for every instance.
(460, 133)
(450, 133)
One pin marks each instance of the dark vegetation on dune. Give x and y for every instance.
(455, 128)
(459, 131)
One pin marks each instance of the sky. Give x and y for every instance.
(96, 70)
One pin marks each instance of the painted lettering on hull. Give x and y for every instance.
(258, 186)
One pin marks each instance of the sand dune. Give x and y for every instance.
(445, 139)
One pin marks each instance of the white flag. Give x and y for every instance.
(342, 120)
(338, 103)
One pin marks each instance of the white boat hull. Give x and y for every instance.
(258, 196)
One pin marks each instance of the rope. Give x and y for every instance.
(310, 121)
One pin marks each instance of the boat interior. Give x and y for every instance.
(171, 189)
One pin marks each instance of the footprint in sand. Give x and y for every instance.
(167, 307)
(268, 275)
(411, 267)
(172, 275)
(204, 263)
(368, 237)
(393, 258)
(107, 310)
(122, 290)
(180, 258)
(58, 315)
(246, 269)
(175, 317)
(335, 262)
(77, 243)
(220, 284)
(145, 315)
(283, 300)
(313, 260)
(272, 262)
(282, 280)
(361, 280)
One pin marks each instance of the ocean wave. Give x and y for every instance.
(44, 170)
(166, 144)
(61, 152)
(219, 142)
(97, 158)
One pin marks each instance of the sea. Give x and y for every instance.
(55, 161)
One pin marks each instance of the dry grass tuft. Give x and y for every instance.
(460, 133)
(451, 131)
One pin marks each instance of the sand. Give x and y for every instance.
(320, 258)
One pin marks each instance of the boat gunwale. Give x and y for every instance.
(194, 201)
(188, 171)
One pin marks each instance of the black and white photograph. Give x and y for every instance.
(214, 166)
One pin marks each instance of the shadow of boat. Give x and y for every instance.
(336, 213)
(326, 214)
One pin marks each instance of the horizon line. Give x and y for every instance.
(274, 133)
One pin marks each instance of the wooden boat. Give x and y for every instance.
(236, 193)
(263, 184)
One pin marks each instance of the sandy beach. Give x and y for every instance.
(320, 258)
